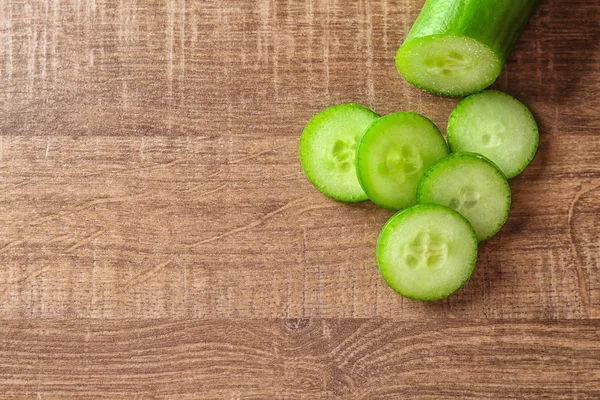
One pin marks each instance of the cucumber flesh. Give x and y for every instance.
(497, 126)
(448, 66)
(328, 150)
(474, 187)
(427, 252)
(393, 155)
(458, 47)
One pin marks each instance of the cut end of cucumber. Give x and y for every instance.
(328, 150)
(450, 66)
(427, 252)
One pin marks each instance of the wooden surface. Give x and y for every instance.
(160, 240)
(301, 359)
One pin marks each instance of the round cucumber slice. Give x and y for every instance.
(427, 252)
(393, 155)
(328, 150)
(497, 126)
(449, 66)
(471, 185)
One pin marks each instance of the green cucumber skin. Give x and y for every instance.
(496, 23)
(408, 211)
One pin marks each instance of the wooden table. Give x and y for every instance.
(159, 239)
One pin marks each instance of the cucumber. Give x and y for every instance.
(393, 155)
(458, 47)
(497, 126)
(471, 185)
(328, 150)
(427, 252)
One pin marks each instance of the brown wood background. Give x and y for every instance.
(159, 239)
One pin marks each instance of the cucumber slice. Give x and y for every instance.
(328, 150)
(427, 252)
(458, 47)
(393, 155)
(497, 126)
(471, 185)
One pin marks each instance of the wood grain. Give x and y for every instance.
(301, 359)
(149, 170)
(149, 166)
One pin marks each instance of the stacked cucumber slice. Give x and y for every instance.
(471, 185)
(392, 156)
(449, 196)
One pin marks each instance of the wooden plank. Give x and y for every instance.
(176, 227)
(300, 359)
(233, 68)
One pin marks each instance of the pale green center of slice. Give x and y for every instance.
(426, 250)
(401, 163)
(343, 154)
(446, 64)
(467, 199)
